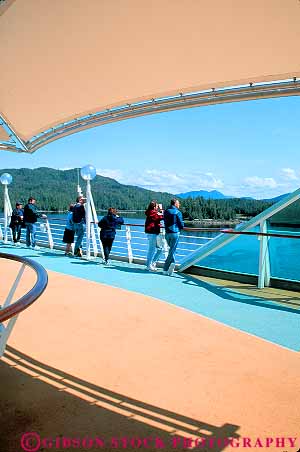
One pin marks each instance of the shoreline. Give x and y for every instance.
(211, 222)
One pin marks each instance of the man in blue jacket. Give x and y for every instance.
(173, 225)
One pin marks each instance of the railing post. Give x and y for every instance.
(164, 242)
(95, 218)
(5, 214)
(5, 331)
(94, 242)
(264, 258)
(88, 219)
(14, 287)
(128, 238)
(49, 233)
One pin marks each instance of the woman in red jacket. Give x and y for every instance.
(152, 229)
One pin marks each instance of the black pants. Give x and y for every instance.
(107, 244)
(16, 232)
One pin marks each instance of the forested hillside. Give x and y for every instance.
(222, 209)
(56, 189)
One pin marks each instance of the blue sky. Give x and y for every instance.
(241, 149)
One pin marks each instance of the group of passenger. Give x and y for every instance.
(75, 226)
(25, 218)
(173, 223)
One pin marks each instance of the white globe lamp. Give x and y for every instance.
(88, 172)
(6, 179)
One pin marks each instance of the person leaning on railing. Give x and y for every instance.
(31, 216)
(173, 224)
(152, 230)
(108, 224)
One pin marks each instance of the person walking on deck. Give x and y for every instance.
(31, 216)
(108, 224)
(152, 230)
(78, 219)
(16, 222)
(173, 225)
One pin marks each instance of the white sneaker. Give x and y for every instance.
(35, 247)
(151, 268)
(171, 269)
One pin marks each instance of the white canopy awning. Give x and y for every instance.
(64, 59)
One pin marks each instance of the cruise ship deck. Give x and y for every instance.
(117, 352)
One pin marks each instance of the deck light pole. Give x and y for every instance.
(5, 180)
(88, 173)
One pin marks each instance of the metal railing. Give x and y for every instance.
(264, 271)
(130, 244)
(9, 311)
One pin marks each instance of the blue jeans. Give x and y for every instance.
(79, 229)
(30, 234)
(172, 239)
(154, 251)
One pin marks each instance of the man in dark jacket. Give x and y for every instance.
(173, 225)
(31, 216)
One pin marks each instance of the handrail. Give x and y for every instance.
(186, 228)
(26, 300)
(263, 234)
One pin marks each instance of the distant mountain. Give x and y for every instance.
(277, 198)
(214, 194)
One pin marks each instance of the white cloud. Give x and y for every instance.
(162, 180)
(260, 182)
(112, 173)
(289, 174)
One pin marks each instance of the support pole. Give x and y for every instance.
(88, 219)
(5, 214)
(129, 248)
(264, 258)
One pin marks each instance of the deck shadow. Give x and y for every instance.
(56, 404)
(232, 295)
(227, 293)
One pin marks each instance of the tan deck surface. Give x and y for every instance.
(88, 360)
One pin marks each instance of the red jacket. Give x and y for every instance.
(152, 224)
